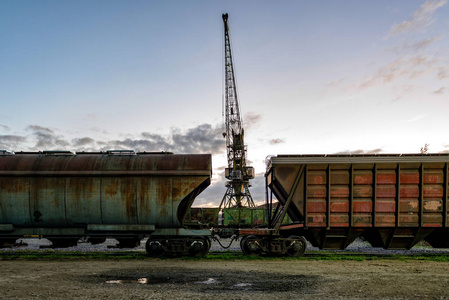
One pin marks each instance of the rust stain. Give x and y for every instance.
(363, 178)
(363, 191)
(384, 206)
(342, 192)
(410, 178)
(163, 212)
(432, 205)
(389, 178)
(127, 195)
(316, 207)
(410, 191)
(339, 207)
(434, 178)
(317, 179)
(338, 177)
(386, 192)
(318, 192)
(433, 192)
(111, 189)
(365, 206)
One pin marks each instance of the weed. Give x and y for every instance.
(229, 255)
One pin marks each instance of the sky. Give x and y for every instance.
(313, 77)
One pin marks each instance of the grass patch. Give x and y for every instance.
(229, 255)
(56, 255)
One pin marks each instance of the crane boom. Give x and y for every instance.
(233, 120)
(237, 173)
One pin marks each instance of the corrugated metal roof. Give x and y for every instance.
(85, 164)
(359, 158)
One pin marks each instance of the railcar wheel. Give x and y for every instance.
(297, 246)
(199, 246)
(250, 245)
(155, 248)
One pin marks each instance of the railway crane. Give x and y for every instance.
(238, 173)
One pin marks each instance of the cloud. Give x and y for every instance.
(11, 142)
(83, 141)
(419, 20)
(416, 46)
(251, 119)
(440, 90)
(37, 128)
(137, 144)
(46, 139)
(421, 45)
(411, 67)
(276, 141)
(360, 151)
(4, 127)
(335, 82)
(403, 91)
(203, 138)
(442, 72)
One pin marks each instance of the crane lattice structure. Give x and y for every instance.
(237, 173)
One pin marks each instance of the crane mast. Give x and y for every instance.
(237, 173)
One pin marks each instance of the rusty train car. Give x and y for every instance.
(391, 201)
(65, 196)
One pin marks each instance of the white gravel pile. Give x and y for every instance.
(358, 246)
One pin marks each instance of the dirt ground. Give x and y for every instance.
(223, 279)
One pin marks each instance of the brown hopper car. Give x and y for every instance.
(391, 201)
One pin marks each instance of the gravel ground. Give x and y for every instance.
(173, 278)
(154, 278)
(357, 246)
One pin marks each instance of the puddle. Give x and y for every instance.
(243, 284)
(160, 280)
(208, 281)
(140, 281)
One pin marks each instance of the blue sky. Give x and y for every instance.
(313, 77)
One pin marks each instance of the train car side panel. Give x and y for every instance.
(391, 201)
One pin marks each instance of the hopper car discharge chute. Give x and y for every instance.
(391, 201)
(66, 196)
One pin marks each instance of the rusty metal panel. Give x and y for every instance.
(14, 201)
(203, 215)
(47, 201)
(184, 192)
(62, 190)
(100, 164)
(118, 200)
(6, 227)
(248, 217)
(125, 227)
(231, 217)
(259, 217)
(366, 191)
(83, 205)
